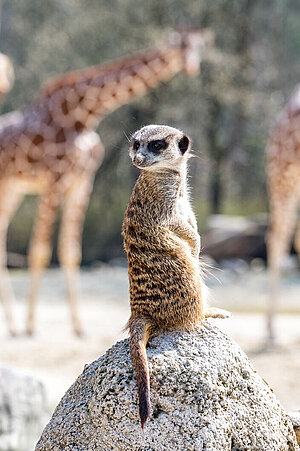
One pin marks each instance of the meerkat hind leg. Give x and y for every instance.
(214, 312)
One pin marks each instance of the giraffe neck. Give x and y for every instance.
(80, 99)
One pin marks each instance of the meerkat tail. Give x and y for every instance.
(139, 336)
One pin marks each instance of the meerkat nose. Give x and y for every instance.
(138, 159)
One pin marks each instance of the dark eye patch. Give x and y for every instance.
(156, 146)
(136, 145)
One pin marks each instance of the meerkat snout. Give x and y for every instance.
(138, 159)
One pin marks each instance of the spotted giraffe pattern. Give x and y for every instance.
(51, 149)
(283, 175)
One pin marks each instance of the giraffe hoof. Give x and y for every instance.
(29, 333)
(79, 333)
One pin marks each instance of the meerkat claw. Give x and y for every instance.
(214, 312)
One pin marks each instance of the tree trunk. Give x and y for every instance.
(217, 154)
(215, 194)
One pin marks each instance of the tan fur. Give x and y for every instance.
(162, 246)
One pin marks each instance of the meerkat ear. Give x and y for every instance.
(184, 144)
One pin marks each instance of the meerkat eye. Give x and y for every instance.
(136, 145)
(156, 146)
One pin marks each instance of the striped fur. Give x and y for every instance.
(162, 246)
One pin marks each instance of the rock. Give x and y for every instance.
(231, 237)
(15, 260)
(23, 411)
(204, 392)
(295, 418)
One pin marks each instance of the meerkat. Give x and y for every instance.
(162, 243)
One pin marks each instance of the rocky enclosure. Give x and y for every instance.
(204, 392)
(23, 410)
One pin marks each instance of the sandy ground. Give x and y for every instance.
(56, 357)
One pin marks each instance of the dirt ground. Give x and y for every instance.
(56, 357)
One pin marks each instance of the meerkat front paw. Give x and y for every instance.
(214, 312)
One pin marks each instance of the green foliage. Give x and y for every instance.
(227, 110)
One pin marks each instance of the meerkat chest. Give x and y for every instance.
(184, 211)
(183, 206)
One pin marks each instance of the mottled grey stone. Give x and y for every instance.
(205, 396)
(295, 417)
(23, 410)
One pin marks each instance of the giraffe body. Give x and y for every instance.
(283, 176)
(51, 149)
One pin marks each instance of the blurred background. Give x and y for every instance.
(228, 110)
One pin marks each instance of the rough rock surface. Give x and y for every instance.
(23, 410)
(295, 417)
(204, 392)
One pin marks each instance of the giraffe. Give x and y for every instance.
(283, 178)
(51, 149)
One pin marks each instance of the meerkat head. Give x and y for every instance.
(157, 147)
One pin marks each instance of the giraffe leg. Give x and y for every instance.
(282, 221)
(297, 240)
(10, 198)
(40, 249)
(69, 245)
